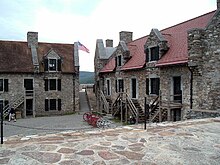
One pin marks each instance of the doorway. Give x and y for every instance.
(29, 107)
(176, 114)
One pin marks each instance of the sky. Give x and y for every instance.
(69, 21)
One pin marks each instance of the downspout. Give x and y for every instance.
(191, 86)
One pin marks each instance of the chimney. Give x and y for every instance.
(32, 39)
(125, 36)
(218, 4)
(109, 43)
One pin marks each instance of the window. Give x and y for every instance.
(52, 84)
(3, 85)
(147, 86)
(52, 65)
(108, 84)
(120, 86)
(152, 54)
(155, 85)
(118, 60)
(52, 104)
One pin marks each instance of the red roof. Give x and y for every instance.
(136, 48)
(15, 56)
(177, 41)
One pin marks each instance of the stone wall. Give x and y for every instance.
(204, 53)
(166, 85)
(16, 88)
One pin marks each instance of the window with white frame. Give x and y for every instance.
(154, 86)
(118, 60)
(152, 53)
(3, 85)
(52, 64)
(119, 85)
(52, 104)
(52, 84)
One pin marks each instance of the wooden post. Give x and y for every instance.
(126, 113)
(160, 114)
(121, 109)
(1, 109)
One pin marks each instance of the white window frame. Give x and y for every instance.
(151, 77)
(56, 69)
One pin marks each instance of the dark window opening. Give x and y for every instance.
(119, 60)
(155, 85)
(147, 86)
(134, 88)
(53, 104)
(108, 87)
(53, 84)
(1, 85)
(120, 85)
(154, 53)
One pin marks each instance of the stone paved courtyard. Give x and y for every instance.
(194, 142)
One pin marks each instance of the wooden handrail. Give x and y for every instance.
(134, 110)
(106, 103)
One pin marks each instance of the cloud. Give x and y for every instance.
(67, 21)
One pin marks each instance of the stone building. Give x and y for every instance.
(39, 79)
(174, 70)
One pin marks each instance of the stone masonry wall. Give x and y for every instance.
(204, 52)
(166, 85)
(16, 88)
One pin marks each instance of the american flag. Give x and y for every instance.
(82, 47)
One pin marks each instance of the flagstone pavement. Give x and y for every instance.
(189, 142)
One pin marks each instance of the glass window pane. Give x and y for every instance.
(52, 104)
(1, 84)
(52, 84)
(52, 64)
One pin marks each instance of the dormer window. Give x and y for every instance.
(52, 65)
(152, 54)
(118, 60)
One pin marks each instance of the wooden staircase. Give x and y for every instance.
(14, 103)
(125, 104)
(110, 105)
(141, 115)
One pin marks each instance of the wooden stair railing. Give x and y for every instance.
(14, 103)
(106, 104)
(115, 104)
(132, 107)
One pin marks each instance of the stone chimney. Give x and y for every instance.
(218, 4)
(109, 43)
(125, 36)
(32, 39)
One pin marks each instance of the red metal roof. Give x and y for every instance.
(177, 40)
(110, 66)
